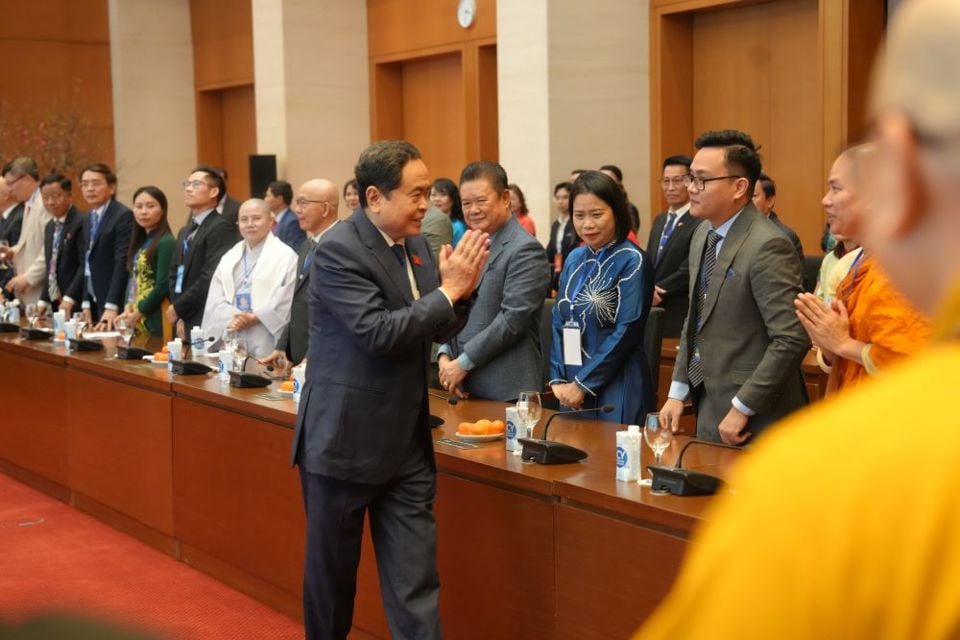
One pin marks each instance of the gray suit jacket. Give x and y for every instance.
(437, 229)
(502, 336)
(751, 342)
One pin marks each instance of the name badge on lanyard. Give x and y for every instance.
(178, 287)
(572, 354)
(242, 302)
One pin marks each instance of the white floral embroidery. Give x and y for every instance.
(600, 295)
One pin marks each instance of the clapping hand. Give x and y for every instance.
(460, 268)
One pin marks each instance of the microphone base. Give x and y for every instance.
(550, 452)
(683, 482)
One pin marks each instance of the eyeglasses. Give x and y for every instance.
(196, 184)
(699, 183)
(302, 202)
(676, 181)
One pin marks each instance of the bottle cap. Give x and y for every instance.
(633, 428)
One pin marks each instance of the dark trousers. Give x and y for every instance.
(404, 538)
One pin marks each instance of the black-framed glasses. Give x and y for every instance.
(699, 183)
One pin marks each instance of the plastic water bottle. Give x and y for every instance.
(628, 454)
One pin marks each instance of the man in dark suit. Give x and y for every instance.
(742, 344)
(764, 199)
(11, 220)
(228, 207)
(286, 225)
(497, 355)
(669, 246)
(563, 237)
(616, 174)
(63, 245)
(106, 236)
(362, 438)
(316, 209)
(200, 245)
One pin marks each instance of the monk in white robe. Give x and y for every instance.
(252, 287)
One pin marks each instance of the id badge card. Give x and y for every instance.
(571, 344)
(243, 303)
(178, 287)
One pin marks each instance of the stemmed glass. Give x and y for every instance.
(528, 410)
(126, 330)
(658, 437)
(4, 252)
(32, 312)
(229, 340)
(239, 354)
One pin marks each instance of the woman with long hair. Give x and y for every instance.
(445, 196)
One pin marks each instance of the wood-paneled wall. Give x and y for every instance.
(792, 73)
(223, 76)
(56, 60)
(432, 82)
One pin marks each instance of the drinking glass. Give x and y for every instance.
(658, 436)
(280, 366)
(32, 311)
(239, 354)
(229, 340)
(81, 325)
(528, 410)
(126, 329)
(4, 252)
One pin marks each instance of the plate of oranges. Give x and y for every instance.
(481, 430)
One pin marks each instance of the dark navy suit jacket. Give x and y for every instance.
(289, 231)
(365, 398)
(108, 254)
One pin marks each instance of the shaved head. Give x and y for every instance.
(914, 178)
(316, 205)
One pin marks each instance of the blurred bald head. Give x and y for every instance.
(914, 179)
(316, 205)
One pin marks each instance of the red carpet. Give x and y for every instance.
(54, 559)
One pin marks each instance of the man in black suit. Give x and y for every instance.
(63, 245)
(228, 207)
(106, 236)
(200, 245)
(362, 438)
(616, 174)
(11, 220)
(669, 246)
(764, 198)
(286, 225)
(316, 211)
(563, 237)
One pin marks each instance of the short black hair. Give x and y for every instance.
(103, 170)
(57, 178)
(614, 169)
(492, 172)
(215, 176)
(448, 187)
(739, 152)
(678, 161)
(23, 166)
(282, 189)
(767, 184)
(604, 187)
(381, 165)
(562, 185)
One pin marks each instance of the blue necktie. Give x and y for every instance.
(401, 254)
(665, 236)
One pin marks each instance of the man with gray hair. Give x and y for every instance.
(869, 548)
(23, 179)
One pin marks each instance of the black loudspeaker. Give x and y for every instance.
(263, 171)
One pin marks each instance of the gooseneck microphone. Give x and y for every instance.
(545, 451)
(686, 482)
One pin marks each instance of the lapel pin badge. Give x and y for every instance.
(416, 260)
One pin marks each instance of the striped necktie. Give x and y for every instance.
(695, 368)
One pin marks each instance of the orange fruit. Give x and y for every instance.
(287, 385)
(160, 356)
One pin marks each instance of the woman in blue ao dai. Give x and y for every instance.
(605, 293)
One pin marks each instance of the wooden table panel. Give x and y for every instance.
(33, 428)
(119, 447)
(611, 574)
(236, 497)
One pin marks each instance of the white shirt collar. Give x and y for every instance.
(199, 218)
(681, 211)
(316, 238)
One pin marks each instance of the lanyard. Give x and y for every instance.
(246, 271)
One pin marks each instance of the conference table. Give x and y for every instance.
(201, 470)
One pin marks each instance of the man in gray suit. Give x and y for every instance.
(742, 344)
(497, 355)
(316, 209)
(437, 229)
